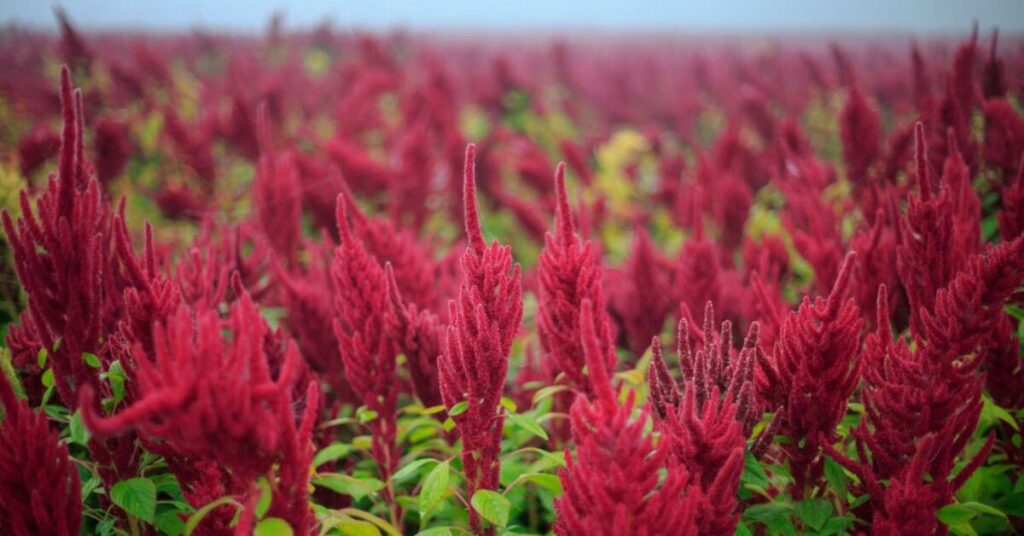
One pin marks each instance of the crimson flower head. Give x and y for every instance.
(277, 194)
(485, 318)
(207, 397)
(112, 148)
(369, 355)
(813, 371)
(706, 417)
(569, 272)
(613, 485)
(39, 488)
(860, 132)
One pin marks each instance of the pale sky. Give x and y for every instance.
(817, 16)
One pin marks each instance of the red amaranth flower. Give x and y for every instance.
(569, 272)
(639, 295)
(860, 132)
(934, 242)
(207, 397)
(612, 485)
(1011, 215)
(993, 73)
(277, 194)
(812, 372)
(707, 416)
(370, 357)
(111, 148)
(39, 487)
(419, 334)
(35, 148)
(1004, 136)
(485, 318)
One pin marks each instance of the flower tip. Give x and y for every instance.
(341, 218)
(472, 217)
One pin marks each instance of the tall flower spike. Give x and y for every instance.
(612, 486)
(931, 249)
(277, 193)
(75, 292)
(706, 427)
(39, 488)
(813, 372)
(485, 318)
(860, 132)
(569, 273)
(369, 355)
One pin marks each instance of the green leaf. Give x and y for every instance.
(527, 423)
(273, 526)
(836, 477)
(417, 409)
(76, 429)
(115, 374)
(547, 392)
(411, 467)
(41, 357)
(508, 404)
(196, 518)
(365, 415)
(47, 378)
(90, 485)
(433, 489)
(449, 424)
(137, 496)
(169, 522)
(984, 509)
(458, 409)
(545, 481)
(960, 513)
(753, 472)
(993, 411)
(493, 506)
(813, 512)
(330, 453)
(348, 485)
(836, 525)
(436, 531)
(358, 528)
(266, 496)
(743, 530)
(92, 360)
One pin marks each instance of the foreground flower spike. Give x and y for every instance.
(207, 397)
(926, 484)
(812, 373)
(39, 487)
(485, 319)
(937, 235)
(707, 425)
(57, 256)
(569, 272)
(61, 252)
(362, 305)
(612, 485)
(228, 406)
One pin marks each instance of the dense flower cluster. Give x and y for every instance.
(485, 319)
(245, 286)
